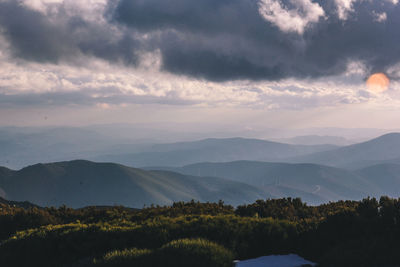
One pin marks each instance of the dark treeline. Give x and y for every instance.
(344, 233)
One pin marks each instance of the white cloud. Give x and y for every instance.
(89, 9)
(304, 13)
(344, 7)
(356, 68)
(115, 85)
(40, 5)
(379, 17)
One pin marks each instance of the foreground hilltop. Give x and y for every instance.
(346, 233)
(20, 204)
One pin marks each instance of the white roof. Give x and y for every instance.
(290, 260)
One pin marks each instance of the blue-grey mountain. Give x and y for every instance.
(213, 150)
(313, 183)
(385, 148)
(83, 183)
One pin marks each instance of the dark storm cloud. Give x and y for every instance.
(256, 49)
(215, 40)
(30, 34)
(360, 37)
(207, 16)
(36, 37)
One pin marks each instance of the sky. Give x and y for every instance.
(244, 63)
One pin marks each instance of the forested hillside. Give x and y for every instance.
(349, 233)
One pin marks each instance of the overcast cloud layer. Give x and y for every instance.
(270, 54)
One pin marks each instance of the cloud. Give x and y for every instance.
(295, 20)
(61, 36)
(279, 39)
(344, 7)
(40, 5)
(217, 41)
(105, 86)
(379, 17)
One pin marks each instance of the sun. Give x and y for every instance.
(378, 83)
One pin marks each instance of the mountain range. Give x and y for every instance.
(82, 183)
(313, 183)
(235, 170)
(213, 150)
(27, 146)
(316, 140)
(384, 149)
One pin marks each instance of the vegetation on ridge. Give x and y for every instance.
(344, 233)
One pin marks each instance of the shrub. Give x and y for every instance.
(194, 253)
(178, 253)
(125, 258)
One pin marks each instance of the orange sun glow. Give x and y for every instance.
(378, 82)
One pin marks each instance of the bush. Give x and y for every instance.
(126, 258)
(178, 253)
(194, 253)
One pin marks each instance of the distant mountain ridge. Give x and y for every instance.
(213, 150)
(22, 147)
(315, 140)
(26, 146)
(308, 181)
(351, 172)
(385, 148)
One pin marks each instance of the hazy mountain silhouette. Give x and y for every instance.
(382, 149)
(26, 146)
(83, 183)
(316, 140)
(213, 150)
(325, 182)
(386, 177)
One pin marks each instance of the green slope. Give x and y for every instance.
(84, 183)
